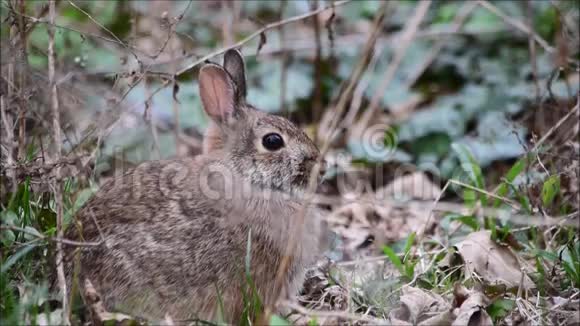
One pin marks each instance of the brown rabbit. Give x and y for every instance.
(176, 232)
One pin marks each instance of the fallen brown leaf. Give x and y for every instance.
(493, 263)
(472, 311)
(419, 307)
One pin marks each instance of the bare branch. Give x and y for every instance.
(9, 130)
(58, 240)
(258, 33)
(105, 29)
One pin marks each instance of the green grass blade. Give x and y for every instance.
(14, 258)
(409, 243)
(469, 221)
(248, 253)
(510, 176)
(471, 166)
(550, 190)
(388, 251)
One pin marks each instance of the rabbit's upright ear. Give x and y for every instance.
(234, 65)
(218, 94)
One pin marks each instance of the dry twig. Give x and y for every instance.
(258, 33)
(517, 24)
(105, 29)
(333, 314)
(58, 240)
(57, 152)
(9, 140)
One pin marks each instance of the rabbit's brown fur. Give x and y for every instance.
(176, 232)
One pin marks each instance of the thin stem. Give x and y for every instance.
(257, 33)
(57, 152)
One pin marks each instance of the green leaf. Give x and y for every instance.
(446, 12)
(394, 259)
(469, 197)
(409, 243)
(546, 22)
(437, 143)
(571, 262)
(572, 274)
(8, 217)
(513, 172)
(550, 190)
(482, 20)
(470, 165)
(248, 259)
(547, 255)
(278, 321)
(8, 238)
(500, 308)
(410, 269)
(220, 312)
(469, 221)
(313, 321)
(522, 198)
(14, 258)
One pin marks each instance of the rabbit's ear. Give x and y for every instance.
(234, 65)
(217, 91)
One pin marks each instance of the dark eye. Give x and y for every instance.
(273, 141)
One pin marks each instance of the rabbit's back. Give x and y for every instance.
(173, 240)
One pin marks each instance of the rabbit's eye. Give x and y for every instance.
(273, 141)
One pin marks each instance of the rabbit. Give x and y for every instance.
(177, 235)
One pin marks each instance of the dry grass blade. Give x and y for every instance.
(9, 140)
(409, 33)
(337, 315)
(517, 24)
(573, 111)
(57, 186)
(462, 15)
(57, 240)
(354, 78)
(284, 264)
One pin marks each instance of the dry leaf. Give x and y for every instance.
(418, 306)
(411, 186)
(472, 311)
(494, 263)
